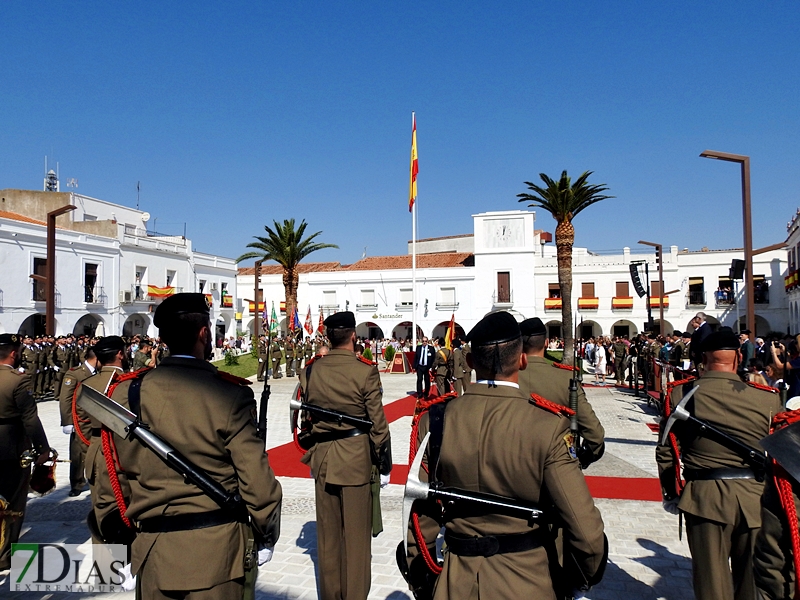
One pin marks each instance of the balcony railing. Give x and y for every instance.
(140, 293)
(656, 302)
(552, 303)
(504, 299)
(622, 303)
(94, 294)
(696, 298)
(367, 307)
(588, 303)
(724, 298)
(403, 306)
(328, 309)
(761, 294)
(447, 306)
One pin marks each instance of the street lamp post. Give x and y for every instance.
(256, 294)
(660, 259)
(50, 279)
(747, 223)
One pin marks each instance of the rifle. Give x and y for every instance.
(574, 383)
(261, 429)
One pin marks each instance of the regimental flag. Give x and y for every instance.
(412, 188)
(308, 326)
(321, 326)
(451, 333)
(296, 324)
(273, 320)
(160, 292)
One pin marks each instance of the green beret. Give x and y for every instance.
(10, 339)
(722, 339)
(341, 320)
(181, 304)
(532, 326)
(109, 344)
(494, 328)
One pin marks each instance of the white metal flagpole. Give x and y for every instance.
(413, 265)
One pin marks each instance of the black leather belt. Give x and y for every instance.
(187, 522)
(330, 436)
(721, 473)
(11, 421)
(489, 545)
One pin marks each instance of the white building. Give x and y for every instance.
(507, 264)
(790, 282)
(110, 272)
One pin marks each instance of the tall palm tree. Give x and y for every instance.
(286, 246)
(564, 200)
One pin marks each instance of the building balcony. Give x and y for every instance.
(790, 282)
(147, 294)
(503, 300)
(658, 302)
(328, 309)
(761, 295)
(552, 303)
(94, 294)
(696, 299)
(449, 306)
(588, 303)
(366, 307)
(227, 301)
(252, 307)
(622, 303)
(724, 298)
(403, 306)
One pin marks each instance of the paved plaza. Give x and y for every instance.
(647, 561)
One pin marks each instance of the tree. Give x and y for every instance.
(286, 246)
(564, 200)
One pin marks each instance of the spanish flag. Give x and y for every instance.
(451, 333)
(412, 190)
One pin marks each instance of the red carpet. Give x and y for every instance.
(285, 461)
(653, 427)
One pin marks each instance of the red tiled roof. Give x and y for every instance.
(312, 267)
(424, 261)
(4, 214)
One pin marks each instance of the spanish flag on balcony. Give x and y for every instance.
(209, 299)
(552, 303)
(160, 292)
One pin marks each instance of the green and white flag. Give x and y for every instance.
(273, 320)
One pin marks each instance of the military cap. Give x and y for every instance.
(722, 339)
(746, 331)
(532, 326)
(494, 328)
(686, 334)
(677, 333)
(10, 339)
(109, 344)
(181, 304)
(341, 320)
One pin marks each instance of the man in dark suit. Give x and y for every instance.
(423, 361)
(701, 331)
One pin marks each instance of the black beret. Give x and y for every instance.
(10, 339)
(686, 334)
(722, 339)
(341, 320)
(109, 344)
(494, 328)
(181, 304)
(532, 326)
(676, 333)
(746, 331)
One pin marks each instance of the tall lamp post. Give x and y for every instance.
(256, 294)
(747, 223)
(660, 260)
(49, 280)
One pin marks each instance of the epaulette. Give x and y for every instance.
(563, 366)
(556, 409)
(785, 418)
(366, 361)
(230, 377)
(760, 386)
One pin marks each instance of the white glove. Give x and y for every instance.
(68, 429)
(671, 506)
(384, 481)
(56, 369)
(21, 370)
(129, 583)
(260, 360)
(265, 554)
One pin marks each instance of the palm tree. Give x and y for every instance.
(564, 200)
(286, 246)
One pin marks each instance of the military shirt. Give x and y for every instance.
(20, 427)
(72, 379)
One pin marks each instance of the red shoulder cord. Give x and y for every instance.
(563, 366)
(420, 409)
(110, 450)
(760, 386)
(551, 407)
(673, 441)
(295, 425)
(76, 420)
(783, 484)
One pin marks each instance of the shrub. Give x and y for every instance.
(231, 358)
(367, 354)
(389, 353)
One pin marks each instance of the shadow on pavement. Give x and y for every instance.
(307, 540)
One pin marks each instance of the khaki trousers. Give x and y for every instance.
(712, 544)
(344, 543)
(230, 590)
(77, 456)
(14, 481)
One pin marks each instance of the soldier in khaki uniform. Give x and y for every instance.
(77, 449)
(497, 441)
(145, 355)
(263, 359)
(288, 349)
(442, 367)
(20, 430)
(187, 547)
(552, 383)
(461, 369)
(721, 500)
(275, 356)
(341, 461)
(113, 363)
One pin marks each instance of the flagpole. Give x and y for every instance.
(413, 264)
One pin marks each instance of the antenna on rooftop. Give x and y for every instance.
(72, 182)
(137, 194)
(50, 178)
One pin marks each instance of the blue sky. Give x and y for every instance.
(235, 114)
